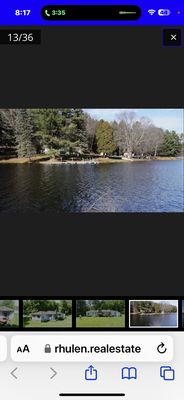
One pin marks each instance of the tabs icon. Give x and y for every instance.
(167, 373)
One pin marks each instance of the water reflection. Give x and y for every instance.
(128, 187)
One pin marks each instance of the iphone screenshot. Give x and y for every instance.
(91, 200)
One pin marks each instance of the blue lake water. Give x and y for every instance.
(155, 186)
(162, 320)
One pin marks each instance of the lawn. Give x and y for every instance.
(101, 322)
(15, 320)
(66, 323)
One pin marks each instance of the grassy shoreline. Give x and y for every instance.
(42, 159)
(24, 160)
(153, 313)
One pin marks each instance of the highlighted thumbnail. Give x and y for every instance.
(100, 314)
(182, 313)
(153, 314)
(9, 314)
(47, 314)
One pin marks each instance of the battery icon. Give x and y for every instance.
(164, 12)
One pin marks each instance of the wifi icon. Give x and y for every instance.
(151, 12)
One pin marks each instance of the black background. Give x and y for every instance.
(100, 67)
(81, 254)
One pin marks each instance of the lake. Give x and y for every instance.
(166, 320)
(150, 186)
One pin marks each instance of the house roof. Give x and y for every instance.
(109, 311)
(6, 309)
(103, 311)
(46, 313)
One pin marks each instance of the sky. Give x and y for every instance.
(171, 119)
(172, 302)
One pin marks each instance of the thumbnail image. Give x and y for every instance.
(72, 160)
(153, 313)
(100, 314)
(183, 313)
(9, 314)
(47, 313)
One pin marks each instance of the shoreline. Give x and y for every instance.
(173, 312)
(95, 161)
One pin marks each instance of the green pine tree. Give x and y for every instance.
(24, 134)
(171, 145)
(104, 137)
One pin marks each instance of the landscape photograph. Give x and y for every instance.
(9, 314)
(73, 160)
(47, 313)
(153, 313)
(100, 314)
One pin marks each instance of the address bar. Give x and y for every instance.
(87, 347)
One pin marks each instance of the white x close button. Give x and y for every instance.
(172, 37)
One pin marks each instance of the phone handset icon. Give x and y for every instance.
(47, 13)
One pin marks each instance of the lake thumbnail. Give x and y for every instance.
(153, 313)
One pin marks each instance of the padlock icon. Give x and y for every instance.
(47, 348)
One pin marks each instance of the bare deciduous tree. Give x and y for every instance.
(137, 135)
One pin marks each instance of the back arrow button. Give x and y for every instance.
(13, 373)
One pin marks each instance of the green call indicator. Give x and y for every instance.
(91, 13)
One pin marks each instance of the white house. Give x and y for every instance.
(46, 150)
(103, 313)
(6, 314)
(45, 316)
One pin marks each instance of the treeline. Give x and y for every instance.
(86, 305)
(144, 307)
(31, 131)
(8, 303)
(31, 306)
(58, 132)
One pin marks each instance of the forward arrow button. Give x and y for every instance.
(54, 373)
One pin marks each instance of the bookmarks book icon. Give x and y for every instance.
(129, 373)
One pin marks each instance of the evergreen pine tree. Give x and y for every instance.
(104, 137)
(171, 145)
(24, 134)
